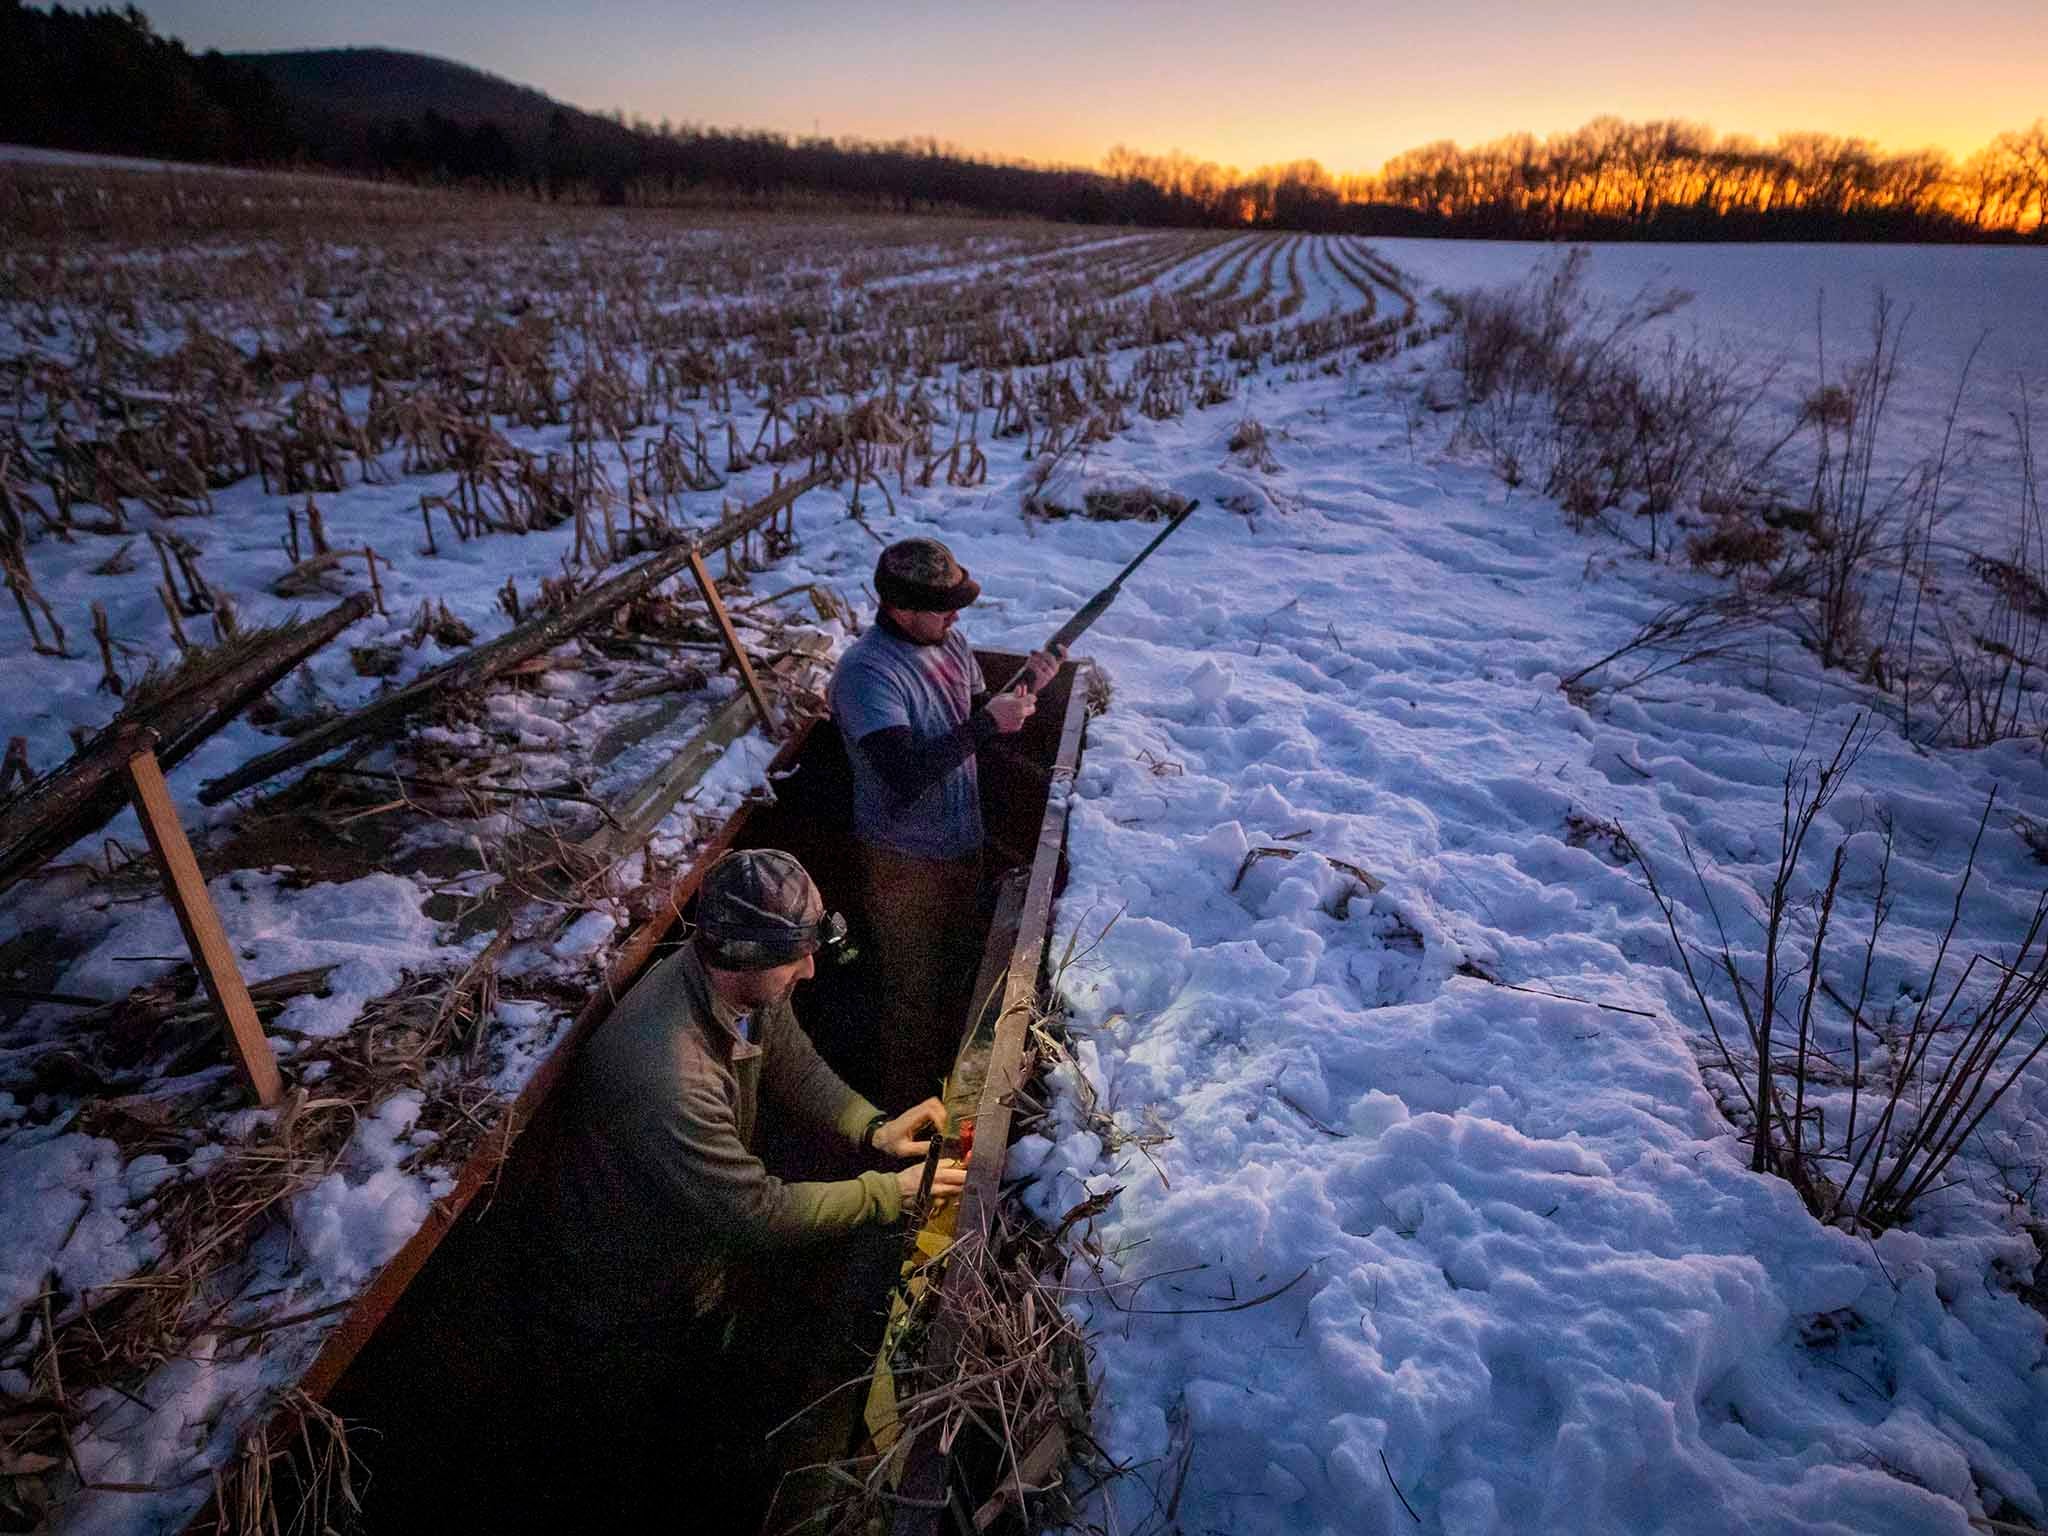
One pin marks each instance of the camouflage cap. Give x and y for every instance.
(757, 909)
(921, 575)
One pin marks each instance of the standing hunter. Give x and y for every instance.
(911, 702)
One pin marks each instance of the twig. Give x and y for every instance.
(1326, 1129)
(1565, 997)
(1397, 1489)
(1235, 1306)
(254, 1330)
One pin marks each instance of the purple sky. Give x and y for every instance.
(1346, 84)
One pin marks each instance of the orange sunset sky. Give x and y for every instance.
(1344, 83)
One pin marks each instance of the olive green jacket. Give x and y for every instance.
(655, 1186)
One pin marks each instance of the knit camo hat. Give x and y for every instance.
(922, 576)
(758, 909)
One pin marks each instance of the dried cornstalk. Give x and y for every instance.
(1019, 1389)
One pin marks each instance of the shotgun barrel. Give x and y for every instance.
(1065, 636)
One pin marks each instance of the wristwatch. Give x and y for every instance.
(867, 1137)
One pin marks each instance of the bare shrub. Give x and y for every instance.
(1915, 1089)
(1623, 430)
(1649, 434)
(1859, 523)
(1992, 665)
(1508, 341)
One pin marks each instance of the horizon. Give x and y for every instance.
(1951, 85)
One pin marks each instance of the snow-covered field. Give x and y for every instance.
(1518, 1251)
(1412, 1232)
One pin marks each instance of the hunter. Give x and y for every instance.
(911, 703)
(662, 1231)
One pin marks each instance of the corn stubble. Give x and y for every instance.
(519, 369)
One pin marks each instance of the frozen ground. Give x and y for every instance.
(1397, 1247)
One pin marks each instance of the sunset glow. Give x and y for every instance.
(1344, 85)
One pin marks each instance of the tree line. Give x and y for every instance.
(1677, 180)
(105, 81)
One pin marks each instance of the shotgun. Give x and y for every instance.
(1096, 606)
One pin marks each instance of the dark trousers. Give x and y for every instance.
(924, 917)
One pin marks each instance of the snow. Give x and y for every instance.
(60, 1204)
(1774, 297)
(585, 936)
(370, 930)
(1534, 1271)
(348, 1226)
(1389, 1236)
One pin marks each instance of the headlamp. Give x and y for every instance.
(827, 932)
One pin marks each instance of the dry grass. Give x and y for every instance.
(1249, 442)
(1012, 1411)
(301, 1484)
(427, 1037)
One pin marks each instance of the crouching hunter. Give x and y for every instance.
(910, 700)
(657, 1185)
(652, 1218)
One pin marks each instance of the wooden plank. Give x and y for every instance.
(921, 1492)
(204, 936)
(637, 815)
(709, 587)
(970, 1063)
(1020, 995)
(480, 663)
(82, 795)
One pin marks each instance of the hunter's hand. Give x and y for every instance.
(1010, 710)
(1040, 666)
(902, 1137)
(948, 1179)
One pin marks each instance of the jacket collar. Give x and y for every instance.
(718, 1018)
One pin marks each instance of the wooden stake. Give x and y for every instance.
(204, 936)
(770, 722)
(480, 663)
